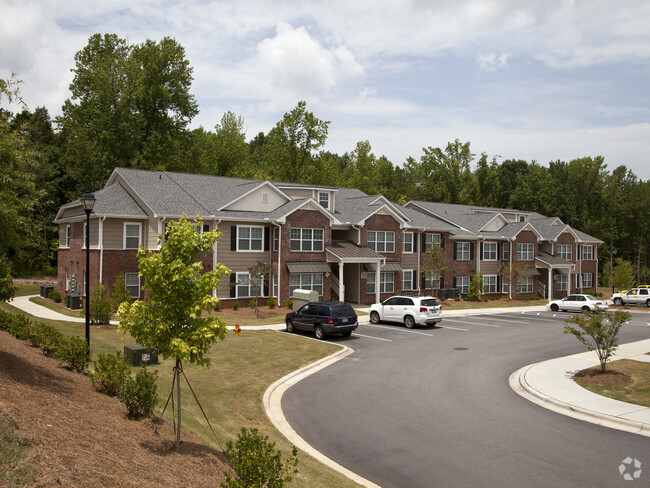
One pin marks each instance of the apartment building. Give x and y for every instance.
(341, 242)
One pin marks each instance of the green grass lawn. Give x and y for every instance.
(638, 392)
(231, 390)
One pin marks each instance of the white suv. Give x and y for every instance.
(636, 296)
(407, 309)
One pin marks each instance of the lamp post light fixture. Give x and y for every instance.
(88, 201)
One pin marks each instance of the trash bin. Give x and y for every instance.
(46, 290)
(136, 355)
(74, 302)
(301, 297)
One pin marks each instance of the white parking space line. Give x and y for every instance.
(372, 337)
(514, 320)
(454, 328)
(400, 329)
(475, 323)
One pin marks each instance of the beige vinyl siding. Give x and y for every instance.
(238, 261)
(263, 199)
(299, 194)
(490, 267)
(410, 260)
(94, 234)
(151, 234)
(114, 232)
(73, 212)
(494, 226)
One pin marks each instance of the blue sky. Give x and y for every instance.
(539, 80)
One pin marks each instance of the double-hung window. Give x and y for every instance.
(525, 285)
(430, 239)
(564, 251)
(490, 284)
(463, 251)
(490, 251)
(562, 283)
(587, 280)
(525, 252)
(131, 235)
(132, 283)
(587, 253)
(386, 282)
(407, 279)
(276, 239)
(505, 251)
(381, 241)
(407, 242)
(462, 284)
(247, 287)
(306, 281)
(431, 281)
(324, 199)
(67, 236)
(250, 238)
(307, 239)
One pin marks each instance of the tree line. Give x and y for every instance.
(131, 106)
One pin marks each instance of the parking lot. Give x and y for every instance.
(431, 406)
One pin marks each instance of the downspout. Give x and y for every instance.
(215, 261)
(510, 277)
(279, 260)
(419, 247)
(358, 229)
(101, 248)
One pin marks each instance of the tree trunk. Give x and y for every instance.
(178, 406)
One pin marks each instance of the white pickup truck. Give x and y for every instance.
(635, 296)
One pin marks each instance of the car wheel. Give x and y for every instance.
(554, 307)
(409, 322)
(290, 327)
(346, 334)
(586, 309)
(618, 301)
(320, 333)
(374, 317)
(647, 303)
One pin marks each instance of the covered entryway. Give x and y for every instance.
(555, 275)
(348, 261)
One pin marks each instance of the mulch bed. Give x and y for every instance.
(80, 438)
(608, 378)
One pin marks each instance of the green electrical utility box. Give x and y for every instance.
(137, 355)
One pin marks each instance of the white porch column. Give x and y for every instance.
(550, 284)
(341, 285)
(377, 275)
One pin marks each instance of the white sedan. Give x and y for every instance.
(578, 303)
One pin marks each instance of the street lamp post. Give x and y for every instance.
(88, 200)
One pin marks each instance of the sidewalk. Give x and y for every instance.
(550, 385)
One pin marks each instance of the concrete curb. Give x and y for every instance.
(519, 382)
(273, 405)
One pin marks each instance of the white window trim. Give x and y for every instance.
(385, 241)
(591, 279)
(68, 232)
(496, 251)
(506, 249)
(249, 286)
(409, 286)
(251, 227)
(311, 285)
(431, 238)
(562, 251)
(383, 282)
(139, 224)
(312, 240)
(591, 253)
(461, 251)
(528, 282)
(464, 286)
(526, 253)
(505, 285)
(128, 287)
(412, 234)
(495, 285)
(562, 283)
(327, 194)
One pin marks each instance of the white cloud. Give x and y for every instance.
(490, 62)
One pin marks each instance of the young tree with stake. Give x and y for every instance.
(177, 291)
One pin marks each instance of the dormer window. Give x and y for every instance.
(523, 218)
(324, 199)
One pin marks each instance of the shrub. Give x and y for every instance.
(15, 324)
(55, 296)
(475, 288)
(140, 394)
(100, 305)
(111, 372)
(216, 306)
(253, 303)
(271, 302)
(257, 464)
(119, 293)
(235, 305)
(289, 303)
(45, 336)
(74, 351)
(457, 299)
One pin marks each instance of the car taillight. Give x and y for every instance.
(423, 309)
(330, 320)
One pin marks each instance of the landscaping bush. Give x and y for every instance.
(475, 288)
(289, 303)
(119, 293)
(256, 464)
(111, 372)
(100, 305)
(55, 296)
(140, 394)
(16, 325)
(271, 302)
(45, 336)
(74, 351)
(235, 305)
(217, 306)
(253, 304)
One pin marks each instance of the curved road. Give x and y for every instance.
(433, 408)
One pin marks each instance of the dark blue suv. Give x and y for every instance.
(324, 318)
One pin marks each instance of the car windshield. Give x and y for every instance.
(342, 310)
(429, 302)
